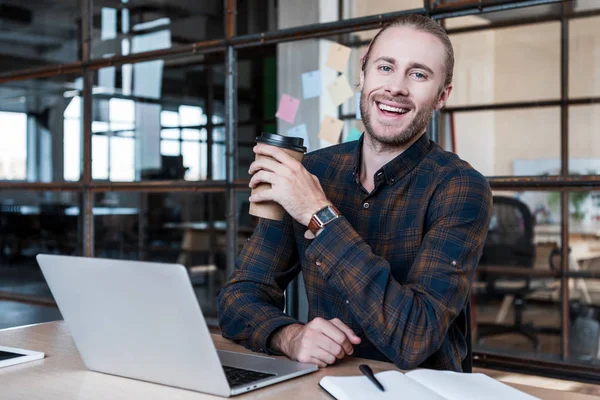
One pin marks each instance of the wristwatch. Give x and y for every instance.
(322, 217)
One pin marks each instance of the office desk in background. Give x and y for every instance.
(62, 375)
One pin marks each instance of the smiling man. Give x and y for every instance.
(387, 230)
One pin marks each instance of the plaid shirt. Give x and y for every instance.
(396, 267)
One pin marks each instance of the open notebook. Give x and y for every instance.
(422, 384)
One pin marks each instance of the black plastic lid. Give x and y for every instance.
(287, 142)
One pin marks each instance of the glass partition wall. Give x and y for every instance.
(128, 131)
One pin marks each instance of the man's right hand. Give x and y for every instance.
(320, 342)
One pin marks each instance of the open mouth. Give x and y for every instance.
(388, 110)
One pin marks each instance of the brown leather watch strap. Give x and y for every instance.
(314, 224)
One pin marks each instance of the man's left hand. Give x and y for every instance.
(292, 186)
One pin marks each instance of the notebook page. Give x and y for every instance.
(360, 387)
(460, 386)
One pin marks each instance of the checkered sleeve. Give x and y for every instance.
(408, 322)
(251, 303)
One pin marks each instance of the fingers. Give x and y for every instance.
(275, 152)
(324, 356)
(331, 347)
(354, 339)
(262, 176)
(268, 164)
(337, 335)
(265, 195)
(309, 350)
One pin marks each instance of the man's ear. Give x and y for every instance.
(362, 80)
(443, 97)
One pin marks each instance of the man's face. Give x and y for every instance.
(402, 85)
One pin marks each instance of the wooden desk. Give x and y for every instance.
(62, 375)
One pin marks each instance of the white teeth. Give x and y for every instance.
(385, 107)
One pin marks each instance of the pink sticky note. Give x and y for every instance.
(288, 106)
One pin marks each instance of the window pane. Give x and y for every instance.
(191, 160)
(100, 127)
(35, 128)
(155, 99)
(509, 142)
(169, 118)
(520, 235)
(122, 159)
(584, 140)
(169, 147)
(585, 5)
(203, 168)
(190, 116)
(466, 21)
(118, 127)
(146, 25)
(121, 110)
(99, 157)
(584, 63)
(13, 152)
(39, 33)
(73, 110)
(255, 18)
(32, 223)
(121, 114)
(72, 156)
(169, 133)
(193, 134)
(488, 65)
(218, 154)
(175, 231)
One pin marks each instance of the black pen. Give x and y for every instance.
(365, 369)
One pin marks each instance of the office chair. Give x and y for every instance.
(509, 243)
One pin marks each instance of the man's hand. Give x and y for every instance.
(320, 342)
(292, 186)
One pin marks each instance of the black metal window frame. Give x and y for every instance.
(231, 44)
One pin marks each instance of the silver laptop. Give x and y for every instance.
(142, 320)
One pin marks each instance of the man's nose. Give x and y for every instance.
(397, 86)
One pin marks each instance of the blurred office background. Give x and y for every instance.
(127, 128)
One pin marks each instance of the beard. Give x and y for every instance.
(415, 128)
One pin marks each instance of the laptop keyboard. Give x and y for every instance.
(241, 377)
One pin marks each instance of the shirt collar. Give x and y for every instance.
(398, 167)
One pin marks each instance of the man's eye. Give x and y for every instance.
(385, 68)
(419, 75)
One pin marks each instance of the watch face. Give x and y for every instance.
(326, 215)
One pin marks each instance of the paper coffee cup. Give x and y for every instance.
(293, 146)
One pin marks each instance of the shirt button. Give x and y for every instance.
(366, 205)
(453, 263)
(318, 263)
(347, 301)
(392, 180)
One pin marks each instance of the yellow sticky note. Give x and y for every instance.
(338, 57)
(331, 129)
(340, 90)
